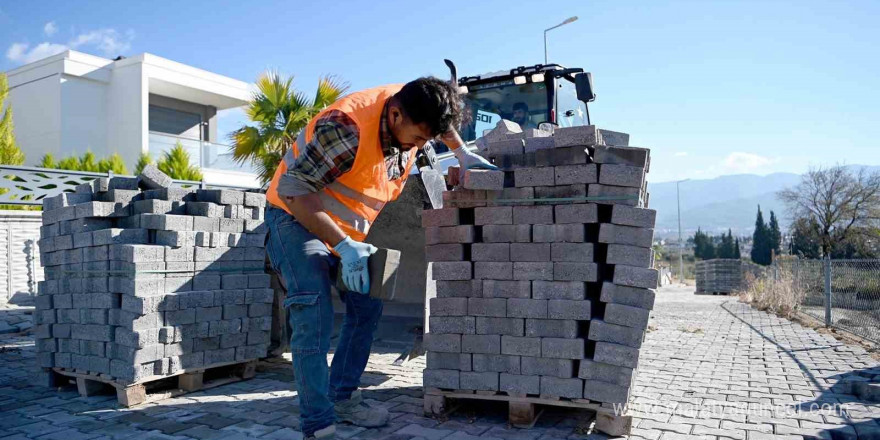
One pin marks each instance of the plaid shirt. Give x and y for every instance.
(332, 151)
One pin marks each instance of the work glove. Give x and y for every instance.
(470, 160)
(355, 270)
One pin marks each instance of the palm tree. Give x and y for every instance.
(279, 113)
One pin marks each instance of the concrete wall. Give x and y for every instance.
(84, 108)
(36, 113)
(20, 268)
(127, 112)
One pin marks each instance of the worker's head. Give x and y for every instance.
(422, 110)
(520, 113)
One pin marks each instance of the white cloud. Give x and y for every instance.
(19, 51)
(107, 42)
(740, 162)
(680, 154)
(50, 29)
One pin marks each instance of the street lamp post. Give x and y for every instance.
(567, 21)
(680, 242)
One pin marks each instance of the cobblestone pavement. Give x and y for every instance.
(15, 319)
(711, 368)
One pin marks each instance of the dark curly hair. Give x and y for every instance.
(432, 101)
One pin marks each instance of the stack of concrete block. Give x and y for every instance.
(144, 280)
(720, 275)
(543, 269)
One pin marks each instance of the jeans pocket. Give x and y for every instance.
(304, 316)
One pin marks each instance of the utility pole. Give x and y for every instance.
(680, 242)
(567, 21)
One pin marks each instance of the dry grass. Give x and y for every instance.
(780, 297)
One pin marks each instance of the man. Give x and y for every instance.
(521, 115)
(351, 159)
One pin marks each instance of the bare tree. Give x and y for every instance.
(839, 199)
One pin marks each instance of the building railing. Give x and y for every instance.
(202, 154)
(21, 185)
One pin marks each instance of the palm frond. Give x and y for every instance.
(330, 89)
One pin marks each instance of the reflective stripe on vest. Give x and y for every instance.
(342, 213)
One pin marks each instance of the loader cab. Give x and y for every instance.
(550, 93)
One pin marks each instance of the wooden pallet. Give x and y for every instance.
(523, 411)
(157, 388)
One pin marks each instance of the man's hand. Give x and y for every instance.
(354, 256)
(466, 159)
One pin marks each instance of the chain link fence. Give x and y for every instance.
(842, 293)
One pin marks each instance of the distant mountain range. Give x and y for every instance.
(721, 203)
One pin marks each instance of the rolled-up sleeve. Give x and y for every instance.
(330, 154)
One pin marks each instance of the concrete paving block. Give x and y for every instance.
(613, 374)
(551, 328)
(616, 354)
(259, 310)
(496, 215)
(449, 307)
(451, 270)
(537, 176)
(632, 216)
(118, 236)
(511, 197)
(526, 308)
(520, 346)
(632, 156)
(65, 199)
(627, 316)
(576, 135)
(533, 270)
(492, 270)
(483, 179)
(490, 252)
(576, 155)
(569, 309)
(494, 307)
(496, 363)
(562, 348)
(206, 281)
(460, 289)
(628, 235)
(531, 252)
(197, 298)
(152, 178)
(171, 194)
(443, 252)
(635, 277)
(220, 196)
(505, 147)
(449, 234)
(233, 281)
(469, 380)
(506, 289)
(576, 174)
(630, 296)
(463, 325)
(614, 195)
(206, 224)
(208, 314)
(441, 217)
(136, 253)
(629, 255)
(571, 233)
(225, 327)
(605, 392)
(175, 238)
(615, 138)
(507, 233)
(499, 326)
(448, 361)
(464, 198)
(621, 175)
(235, 311)
(482, 344)
(558, 290)
(82, 239)
(254, 199)
(587, 272)
(232, 225)
(558, 387)
(572, 252)
(86, 224)
(519, 384)
(534, 144)
(205, 209)
(618, 334)
(167, 222)
(437, 378)
(553, 195)
(443, 343)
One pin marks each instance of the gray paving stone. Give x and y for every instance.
(497, 363)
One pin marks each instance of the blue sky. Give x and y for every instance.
(712, 87)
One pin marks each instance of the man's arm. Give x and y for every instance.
(309, 211)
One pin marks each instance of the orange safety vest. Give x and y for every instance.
(355, 199)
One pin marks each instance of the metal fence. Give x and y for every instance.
(842, 293)
(30, 185)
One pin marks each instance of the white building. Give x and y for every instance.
(72, 102)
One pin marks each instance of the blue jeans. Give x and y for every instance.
(308, 269)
